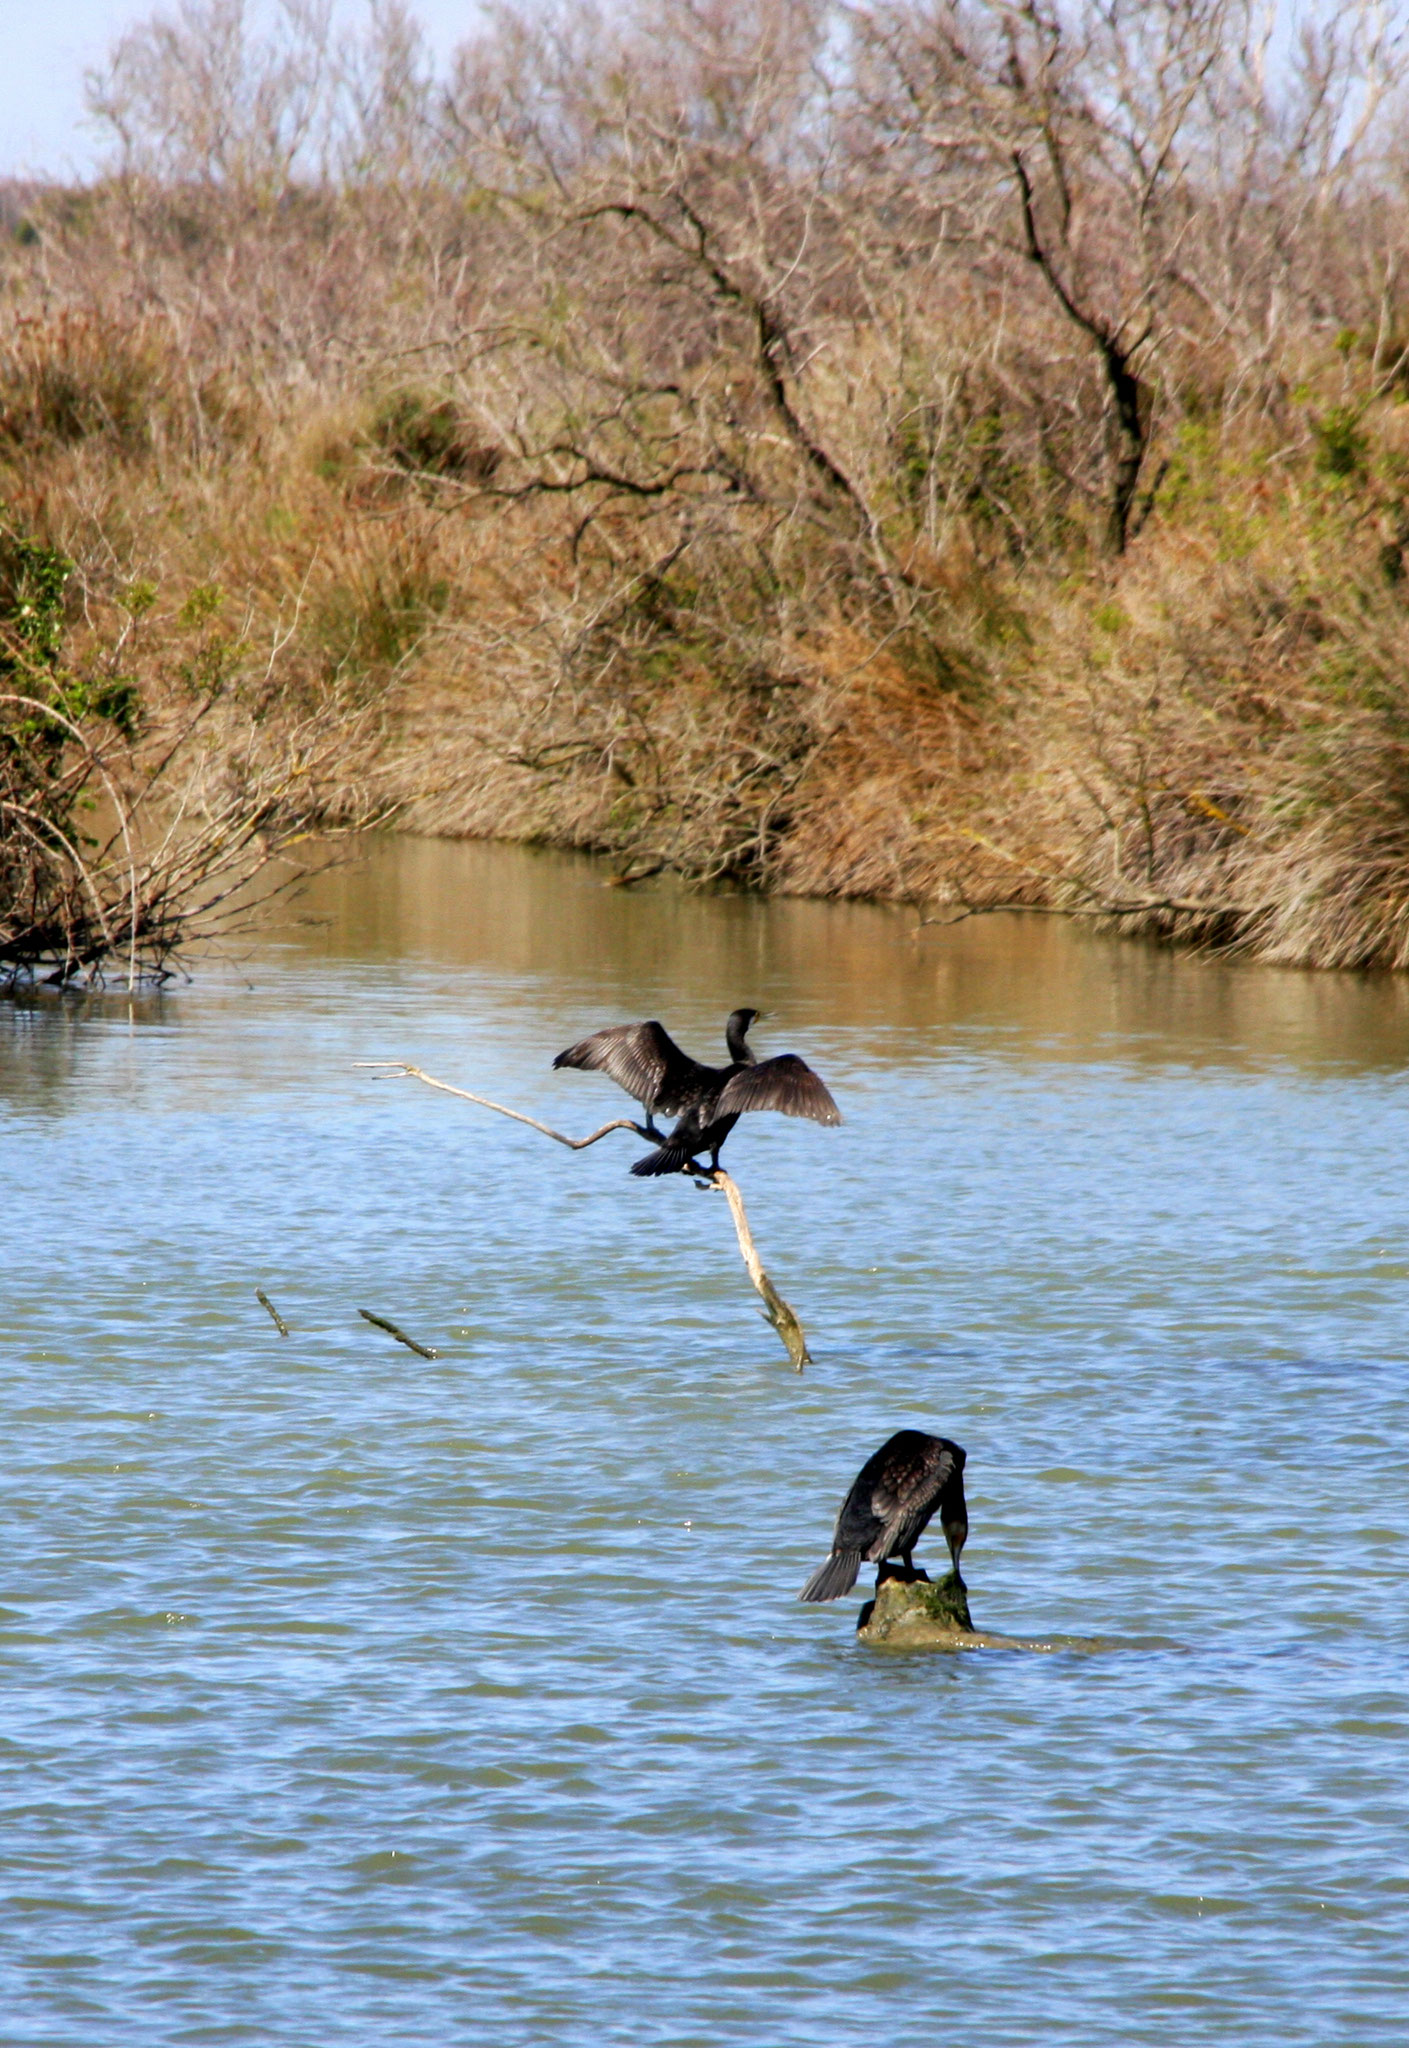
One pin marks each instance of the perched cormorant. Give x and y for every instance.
(645, 1060)
(885, 1513)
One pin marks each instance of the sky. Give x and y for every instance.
(46, 45)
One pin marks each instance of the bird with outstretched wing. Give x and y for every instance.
(708, 1101)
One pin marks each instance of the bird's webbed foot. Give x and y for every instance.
(703, 1175)
(902, 1570)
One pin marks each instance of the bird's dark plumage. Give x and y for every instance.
(645, 1060)
(888, 1507)
(784, 1083)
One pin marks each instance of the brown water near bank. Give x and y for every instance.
(519, 911)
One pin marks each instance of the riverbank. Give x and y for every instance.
(507, 509)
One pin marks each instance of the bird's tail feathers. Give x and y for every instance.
(667, 1158)
(835, 1577)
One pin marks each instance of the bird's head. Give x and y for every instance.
(737, 1029)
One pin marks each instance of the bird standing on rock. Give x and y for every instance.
(645, 1060)
(888, 1507)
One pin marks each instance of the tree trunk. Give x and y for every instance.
(1131, 433)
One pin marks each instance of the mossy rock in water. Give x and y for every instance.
(914, 1615)
(917, 1611)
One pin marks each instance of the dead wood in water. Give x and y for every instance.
(774, 1306)
(421, 1350)
(263, 1299)
(775, 1309)
(391, 1068)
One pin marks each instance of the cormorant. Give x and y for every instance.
(885, 1513)
(645, 1060)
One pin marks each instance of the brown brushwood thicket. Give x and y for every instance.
(955, 453)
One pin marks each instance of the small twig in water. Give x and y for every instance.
(421, 1350)
(263, 1299)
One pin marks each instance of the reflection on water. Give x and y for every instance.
(351, 1696)
(853, 966)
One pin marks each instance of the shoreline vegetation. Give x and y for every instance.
(956, 455)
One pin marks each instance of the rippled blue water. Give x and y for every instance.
(351, 1697)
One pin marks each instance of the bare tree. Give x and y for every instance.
(202, 96)
(196, 803)
(682, 301)
(1133, 159)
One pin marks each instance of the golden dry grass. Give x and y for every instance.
(1207, 738)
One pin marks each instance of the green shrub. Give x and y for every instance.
(1340, 440)
(429, 437)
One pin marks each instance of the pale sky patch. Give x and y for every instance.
(44, 131)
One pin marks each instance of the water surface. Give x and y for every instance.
(350, 1697)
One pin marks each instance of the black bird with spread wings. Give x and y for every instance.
(645, 1060)
(886, 1511)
